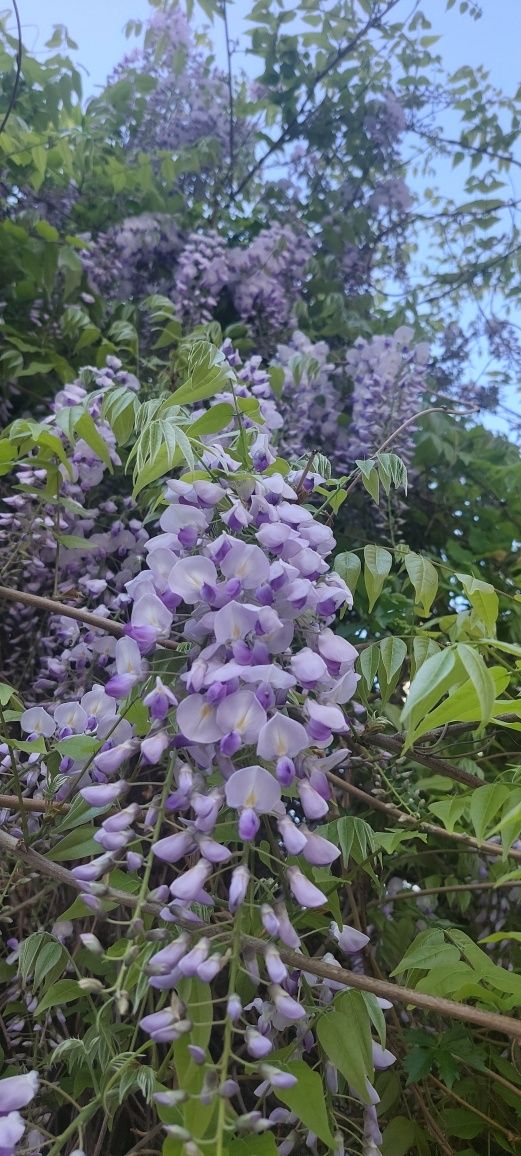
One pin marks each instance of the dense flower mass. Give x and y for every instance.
(389, 376)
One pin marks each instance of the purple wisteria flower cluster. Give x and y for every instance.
(82, 548)
(389, 376)
(236, 749)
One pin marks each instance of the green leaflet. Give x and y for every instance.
(345, 1035)
(424, 578)
(377, 564)
(348, 565)
(306, 1098)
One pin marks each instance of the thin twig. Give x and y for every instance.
(402, 817)
(14, 803)
(447, 890)
(441, 766)
(408, 422)
(51, 606)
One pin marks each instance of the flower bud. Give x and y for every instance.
(94, 986)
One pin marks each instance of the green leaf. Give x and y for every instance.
(393, 653)
(449, 811)
(59, 993)
(498, 936)
(424, 578)
(306, 1099)
(345, 1036)
(377, 564)
(213, 421)
(42, 957)
(484, 805)
(370, 478)
(428, 950)
(348, 565)
(86, 429)
(6, 693)
(430, 682)
(480, 678)
(398, 1137)
(462, 704)
(484, 602)
(79, 746)
(368, 660)
(76, 845)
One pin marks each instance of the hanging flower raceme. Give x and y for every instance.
(214, 791)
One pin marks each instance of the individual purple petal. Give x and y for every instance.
(196, 720)
(270, 922)
(303, 890)
(234, 621)
(174, 847)
(293, 838)
(285, 771)
(168, 957)
(349, 939)
(241, 713)
(189, 963)
(238, 887)
(211, 967)
(187, 886)
(275, 967)
(12, 1128)
(285, 1004)
(122, 819)
(313, 805)
(149, 611)
(212, 850)
(286, 931)
(188, 577)
(382, 1057)
(337, 652)
(308, 667)
(121, 684)
(330, 717)
(319, 851)
(257, 1045)
(177, 517)
(249, 824)
(37, 721)
(278, 1078)
(158, 1023)
(154, 747)
(17, 1091)
(253, 787)
(233, 1007)
(93, 870)
(108, 762)
(102, 794)
(112, 841)
(159, 700)
(72, 716)
(281, 736)
(248, 563)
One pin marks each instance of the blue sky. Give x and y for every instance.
(97, 27)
